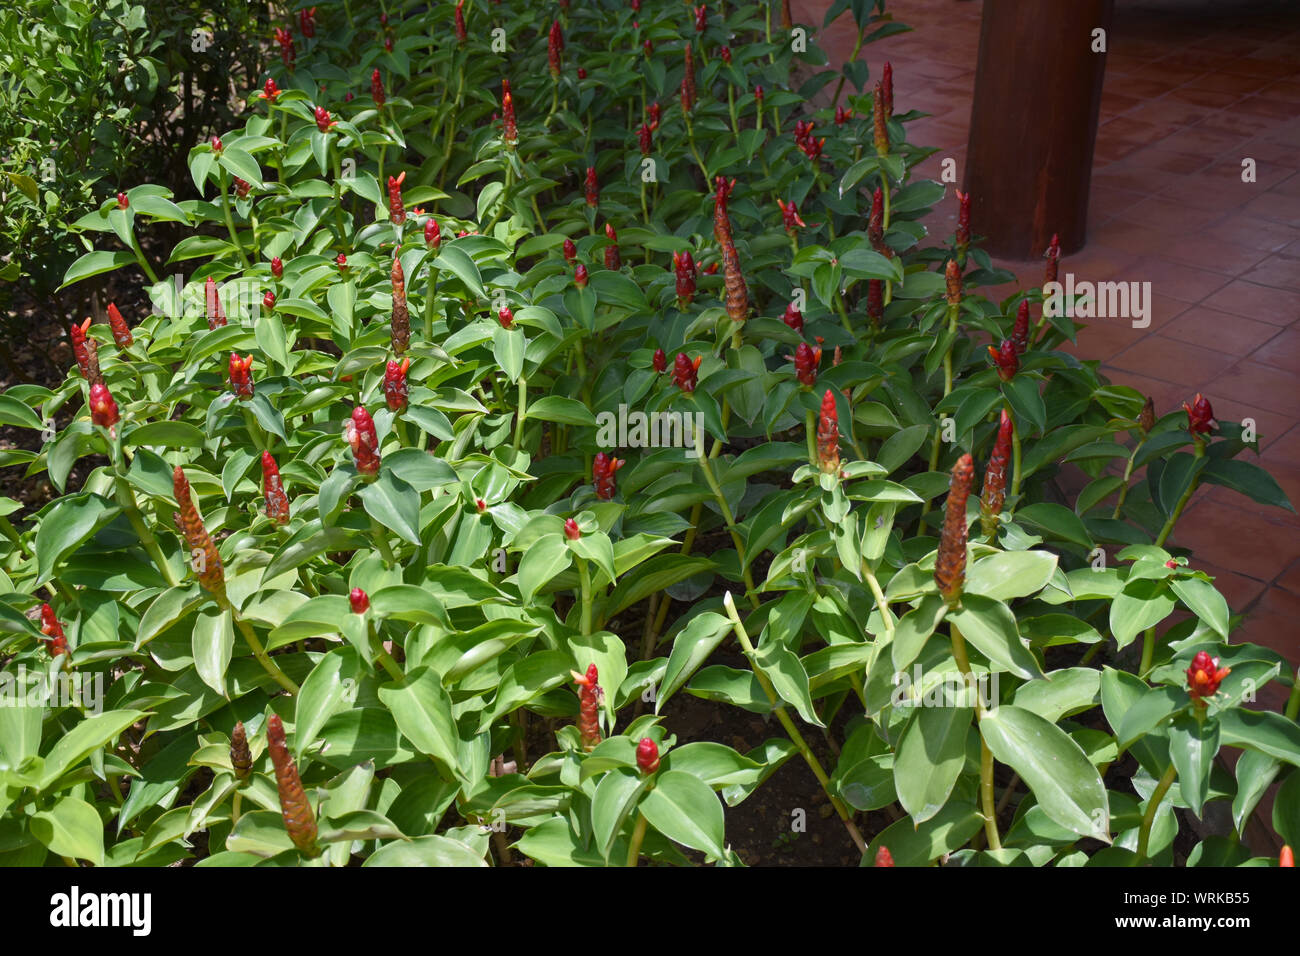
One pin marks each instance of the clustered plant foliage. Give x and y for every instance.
(360, 532)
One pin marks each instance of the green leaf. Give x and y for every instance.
(1249, 479)
(508, 350)
(1266, 731)
(458, 262)
(212, 642)
(1053, 766)
(1256, 772)
(1204, 600)
(1141, 604)
(394, 504)
(991, 627)
(1010, 574)
(72, 829)
(432, 850)
(547, 557)
(1193, 745)
(611, 804)
(169, 434)
(566, 411)
(321, 696)
(912, 844)
(94, 263)
(685, 810)
(691, 648)
(422, 710)
(784, 669)
(89, 735)
(65, 529)
(1055, 520)
(931, 754)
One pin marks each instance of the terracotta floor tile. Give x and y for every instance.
(1176, 279)
(1291, 579)
(1214, 529)
(1166, 395)
(1276, 206)
(1231, 334)
(1287, 447)
(1283, 352)
(1208, 252)
(1168, 161)
(1275, 306)
(1256, 233)
(1205, 99)
(1174, 216)
(1269, 426)
(1171, 360)
(1276, 272)
(1239, 590)
(1271, 624)
(1259, 387)
(1235, 82)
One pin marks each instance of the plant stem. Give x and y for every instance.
(584, 575)
(986, 755)
(638, 834)
(523, 407)
(712, 480)
(1148, 651)
(225, 211)
(1148, 818)
(1182, 502)
(797, 738)
(126, 498)
(259, 652)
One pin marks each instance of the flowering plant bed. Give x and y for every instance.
(525, 360)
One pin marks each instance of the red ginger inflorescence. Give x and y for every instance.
(684, 267)
(590, 697)
(647, 755)
(1200, 415)
(212, 303)
(952, 282)
(307, 21)
(571, 529)
(603, 467)
(876, 223)
(686, 373)
(950, 562)
(793, 317)
(592, 188)
(554, 47)
(86, 351)
(432, 234)
(400, 325)
(879, 121)
(241, 758)
(995, 477)
(288, 55)
(396, 208)
(660, 361)
(790, 219)
(377, 88)
(359, 601)
(1204, 677)
(1005, 359)
(613, 261)
(580, 276)
(277, 267)
(1053, 259)
(359, 433)
(121, 332)
(52, 628)
(570, 252)
(806, 360)
(277, 502)
(963, 223)
(1020, 330)
(506, 316)
(688, 80)
(645, 139)
(323, 121)
(875, 301)
(241, 376)
(884, 857)
(462, 34)
(203, 552)
(828, 435)
(509, 125)
(103, 410)
(299, 819)
(887, 87)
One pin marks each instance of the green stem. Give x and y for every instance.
(126, 498)
(584, 575)
(523, 409)
(259, 651)
(1148, 651)
(1199, 452)
(225, 211)
(791, 730)
(380, 534)
(638, 834)
(707, 467)
(1015, 462)
(839, 88)
(1148, 818)
(986, 755)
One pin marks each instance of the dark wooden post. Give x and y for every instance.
(1034, 123)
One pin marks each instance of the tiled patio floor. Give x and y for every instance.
(1192, 88)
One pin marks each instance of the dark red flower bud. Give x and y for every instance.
(242, 188)
(461, 33)
(612, 259)
(995, 477)
(432, 234)
(268, 301)
(506, 316)
(377, 88)
(653, 111)
(787, 22)
(307, 21)
(241, 376)
(215, 142)
(212, 298)
(592, 188)
(294, 807)
(1286, 858)
(287, 52)
(396, 208)
(887, 87)
(1147, 417)
(571, 529)
(570, 251)
(270, 92)
(793, 317)
(582, 74)
(1053, 259)
(509, 126)
(122, 201)
(842, 115)
(277, 267)
(828, 435)
(86, 351)
(203, 553)
(688, 81)
(323, 121)
(647, 47)
(359, 600)
(686, 373)
(1205, 676)
(554, 47)
(950, 563)
(590, 697)
(103, 410)
(758, 96)
(645, 139)
(806, 360)
(963, 220)
(342, 262)
(359, 433)
(400, 324)
(660, 361)
(241, 758)
(684, 266)
(1006, 360)
(725, 53)
(701, 18)
(121, 332)
(647, 755)
(277, 502)
(875, 301)
(602, 471)
(952, 279)
(884, 857)
(790, 216)
(876, 223)
(52, 628)
(1200, 416)
(879, 124)
(580, 276)
(396, 390)
(1020, 331)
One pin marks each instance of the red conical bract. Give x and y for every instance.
(995, 477)
(103, 410)
(277, 502)
(612, 260)
(462, 34)
(950, 562)
(52, 628)
(603, 468)
(554, 46)
(121, 332)
(647, 755)
(590, 697)
(396, 208)
(204, 558)
(299, 819)
(1020, 331)
(806, 360)
(1205, 676)
(1200, 416)
(212, 301)
(396, 390)
(887, 87)
(828, 435)
(241, 376)
(400, 324)
(660, 361)
(879, 125)
(875, 301)
(688, 80)
(884, 857)
(509, 126)
(1004, 358)
(359, 601)
(963, 221)
(86, 351)
(592, 188)
(359, 433)
(1053, 259)
(686, 372)
(684, 267)
(793, 317)
(377, 88)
